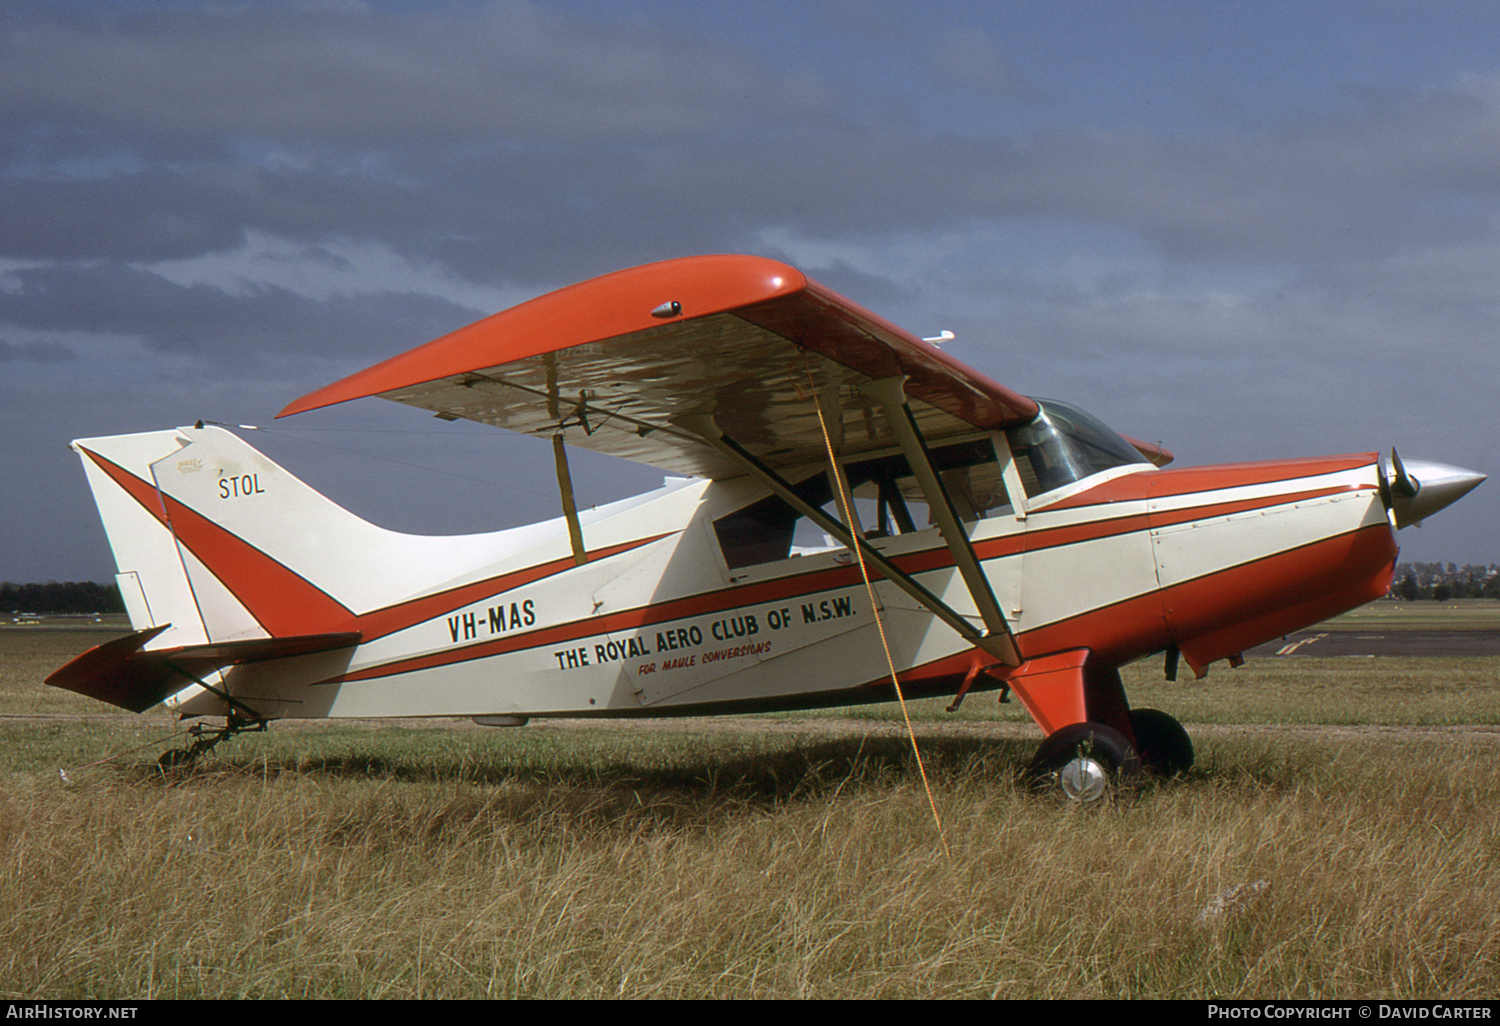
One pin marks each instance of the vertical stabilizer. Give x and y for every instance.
(217, 549)
(216, 540)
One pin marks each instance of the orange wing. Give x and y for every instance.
(616, 361)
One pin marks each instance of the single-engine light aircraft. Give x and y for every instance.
(1014, 544)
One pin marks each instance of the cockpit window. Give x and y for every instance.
(1064, 444)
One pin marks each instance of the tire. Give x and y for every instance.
(174, 758)
(1083, 762)
(1165, 747)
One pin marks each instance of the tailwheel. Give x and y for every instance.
(1165, 747)
(1082, 761)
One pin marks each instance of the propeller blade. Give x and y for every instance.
(1402, 483)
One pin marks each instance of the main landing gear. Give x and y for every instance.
(1165, 747)
(1080, 762)
(1083, 761)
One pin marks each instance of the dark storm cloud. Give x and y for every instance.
(479, 133)
(1375, 181)
(155, 216)
(164, 213)
(35, 352)
(366, 76)
(974, 60)
(517, 144)
(208, 321)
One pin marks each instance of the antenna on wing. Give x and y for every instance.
(943, 336)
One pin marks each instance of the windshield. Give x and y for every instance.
(1064, 444)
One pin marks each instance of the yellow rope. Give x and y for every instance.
(847, 502)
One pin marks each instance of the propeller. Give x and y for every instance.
(1416, 490)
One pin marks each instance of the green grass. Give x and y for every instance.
(563, 863)
(29, 654)
(1396, 615)
(1391, 690)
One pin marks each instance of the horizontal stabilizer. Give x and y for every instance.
(122, 673)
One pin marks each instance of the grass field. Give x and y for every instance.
(1395, 615)
(1356, 851)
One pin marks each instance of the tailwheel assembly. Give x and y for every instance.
(205, 738)
(1082, 762)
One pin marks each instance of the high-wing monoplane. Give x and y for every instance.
(1011, 544)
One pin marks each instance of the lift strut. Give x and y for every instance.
(1000, 645)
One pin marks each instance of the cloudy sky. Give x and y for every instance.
(1246, 230)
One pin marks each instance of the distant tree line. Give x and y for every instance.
(1440, 582)
(60, 597)
(1414, 582)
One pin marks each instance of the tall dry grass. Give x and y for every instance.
(559, 863)
(688, 861)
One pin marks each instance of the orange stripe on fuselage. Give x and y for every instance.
(285, 603)
(1129, 621)
(1194, 480)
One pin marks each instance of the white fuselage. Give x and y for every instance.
(657, 622)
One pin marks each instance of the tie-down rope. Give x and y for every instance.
(847, 502)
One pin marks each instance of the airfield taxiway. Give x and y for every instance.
(1324, 643)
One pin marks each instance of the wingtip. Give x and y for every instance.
(607, 306)
(302, 405)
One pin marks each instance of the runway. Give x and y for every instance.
(1323, 643)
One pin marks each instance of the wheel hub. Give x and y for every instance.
(1083, 779)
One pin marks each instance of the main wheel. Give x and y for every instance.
(1165, 747)
(1081, 761)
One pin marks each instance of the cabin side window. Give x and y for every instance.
(887, 499)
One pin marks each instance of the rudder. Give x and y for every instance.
(151, 578)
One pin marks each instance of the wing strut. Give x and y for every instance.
(703, 426)
(890, 393)
(570, 507)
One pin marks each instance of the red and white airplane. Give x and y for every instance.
(1014, 544)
